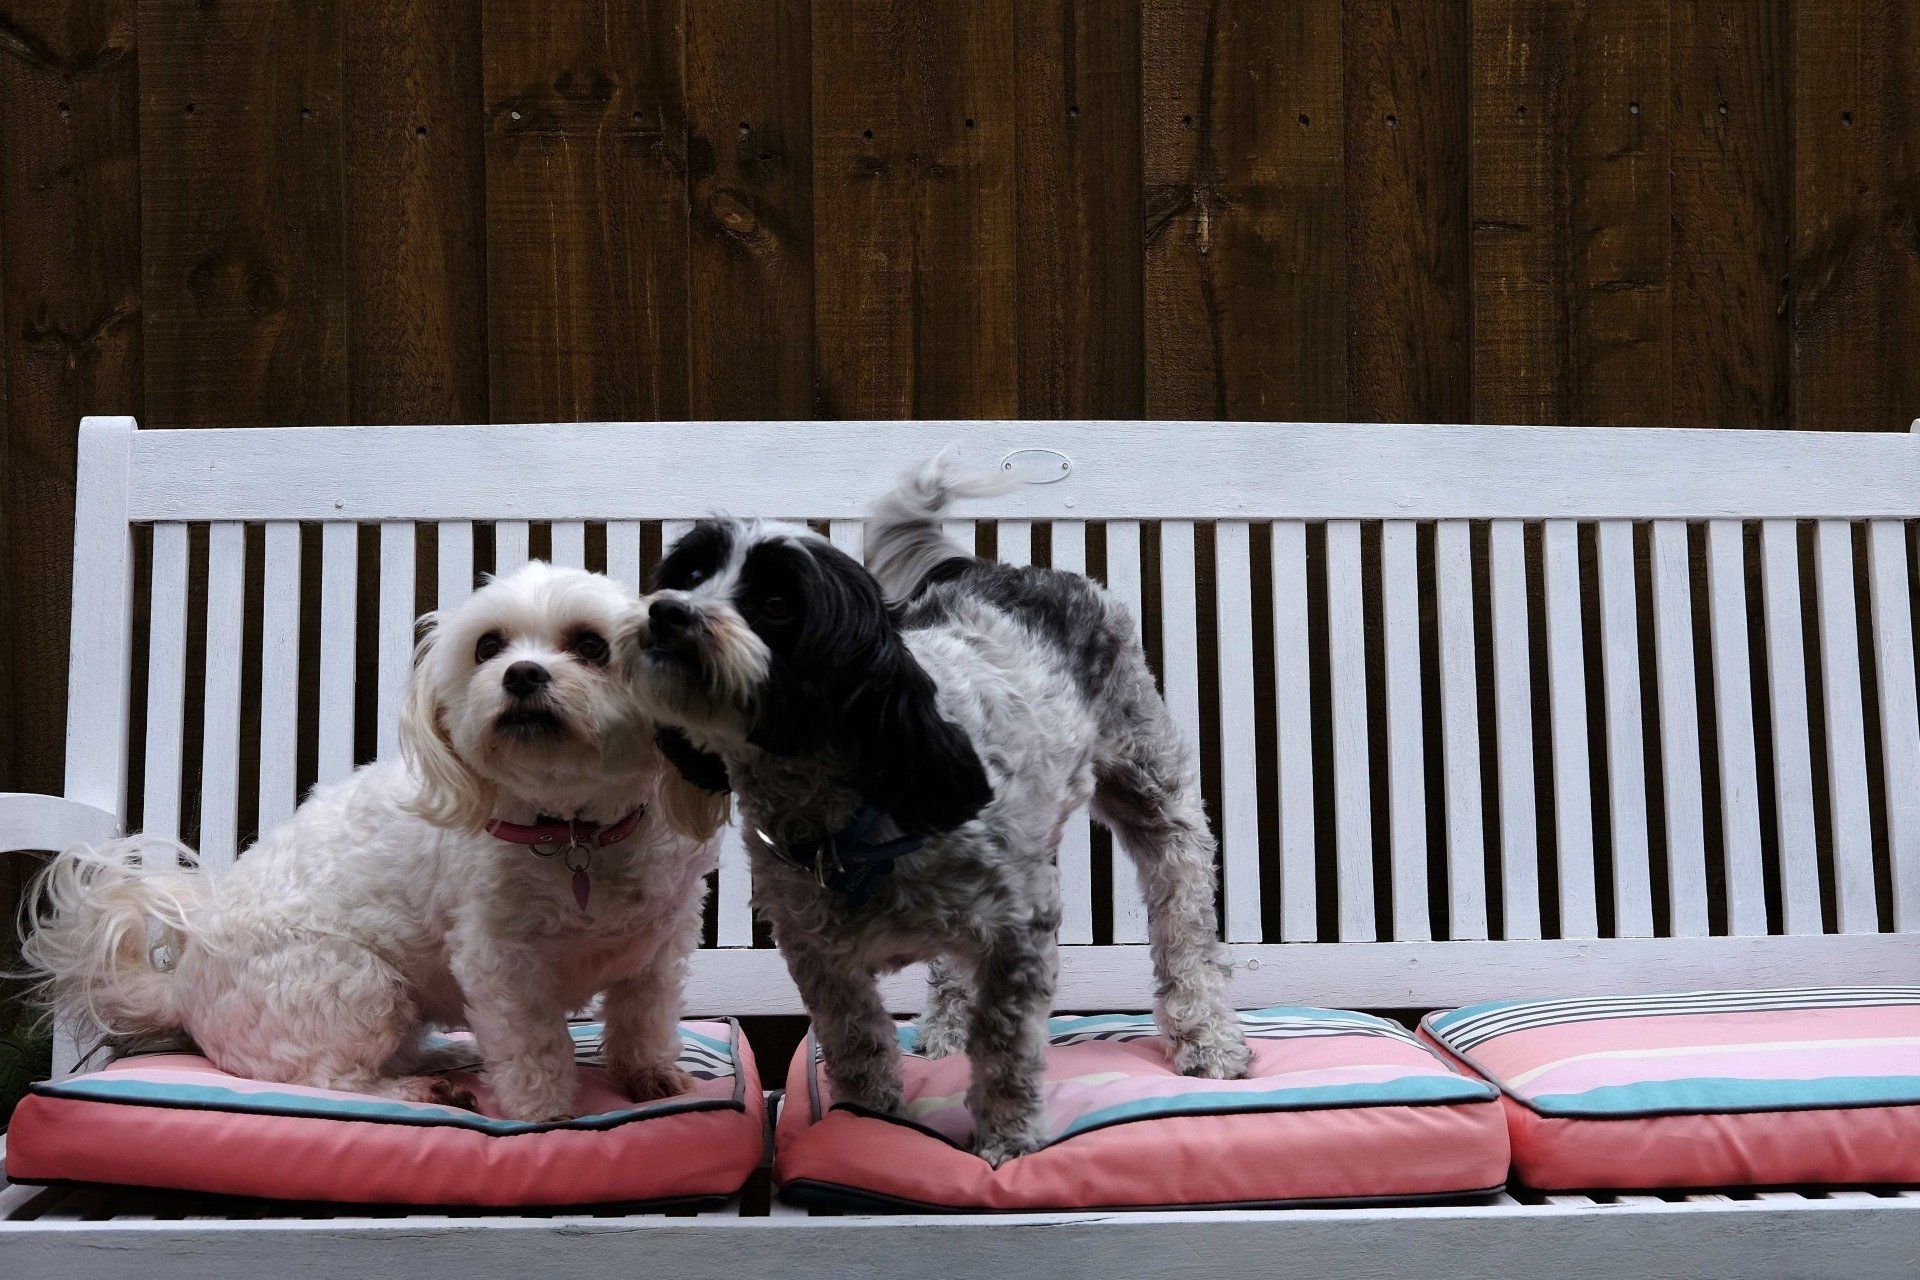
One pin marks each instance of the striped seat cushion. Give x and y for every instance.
(1815, 1085)
(175, 1121)
(1339, 1107)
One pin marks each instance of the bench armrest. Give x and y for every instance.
(49, 822)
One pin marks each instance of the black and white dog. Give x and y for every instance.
(905, 770)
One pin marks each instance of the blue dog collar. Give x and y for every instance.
(846, 862)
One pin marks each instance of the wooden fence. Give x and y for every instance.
(1696, 212)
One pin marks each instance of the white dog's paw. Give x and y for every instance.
(1220, 1056)
(651, 1081)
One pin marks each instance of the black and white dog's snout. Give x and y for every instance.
(670, 618)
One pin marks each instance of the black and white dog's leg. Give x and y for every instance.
(1018, 968)
(942, 1029)
(856, 1035)
(1147, 790)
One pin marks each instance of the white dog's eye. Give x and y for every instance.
(589, 647)
(488, 646)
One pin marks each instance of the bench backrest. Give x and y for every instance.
(1485, 711)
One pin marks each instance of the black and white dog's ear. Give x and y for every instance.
(701, 768)
(910, 762)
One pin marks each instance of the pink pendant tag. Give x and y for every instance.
(581, 887)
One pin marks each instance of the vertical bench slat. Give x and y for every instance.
(1016, 542)
(570, 543)
(1626, 753)
(1846, 728)
(510, 546)
(1406, 738)
(339, 609)
(1679, 730)
(962, 532)
(1733, 719)
(1792, 752)
(279, 673)
(453, 582)
(1123, 580)
(1352, 778)
(395, 628)
(1179, 629)
(166, 680)
(1293, 716)
(1460, 731)
(1567, 687)
(1239, 778)
(220, 730)
(1513, 736)
(1069, 544)
(1899, 718)
(99, 667)
(623, 553)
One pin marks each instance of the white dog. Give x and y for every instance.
(526, 853)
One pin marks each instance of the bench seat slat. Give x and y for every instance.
(339, 607)
(1679, 729)
(1899, 719)
(1179, 630)
(1406, 737)
(1239, 832)
(1513, 718)
(1460, 731)
(395, 630)
(1567, 682)
(454, 579)
(511, 542)
(1352, 776)
(1846, 728)
(220, 728)
(1733, 718)
(166, 680)
(1293, 718)
(570, 543)
(623, 553)
(1626, 758)
(1792, 749)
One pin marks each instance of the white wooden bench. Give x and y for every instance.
(1429, 663)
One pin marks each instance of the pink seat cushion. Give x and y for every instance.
(1339, 1107)
(1702, 1089)
(175, 1121)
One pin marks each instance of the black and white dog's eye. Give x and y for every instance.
(489, 646)
(589, 647)
(776, 608)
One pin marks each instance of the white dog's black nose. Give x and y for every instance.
(523, 678)
(670, 617)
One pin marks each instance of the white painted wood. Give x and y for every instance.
(569, 540)
(1733, 718)
(964, 533)
(166, 681)
(395, 659)
(1068, 541)
(850, 536)
(1513, 735)
(1143, 470)
(1239, 778)
(339, 632)
(734, 899)
(1792, 752)
(623, 553)
(1179, 630)
(1567, 686)
(511, 539)
(1679, 730)
(454, 555)
(1626, 756)
(1123, 580)
(1293, 736)
(1406, 735)
(1016, 542)
(279, 673)
(29, 821)
(1899, 718)
(98, 670)
(1460, 731)
(671, 531)
(220, 725)
(1381, 975)
(1846, 732)
(1352, 779)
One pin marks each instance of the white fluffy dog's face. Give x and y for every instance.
(517, 692)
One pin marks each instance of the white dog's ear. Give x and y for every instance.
(692, 811)
(451, 794)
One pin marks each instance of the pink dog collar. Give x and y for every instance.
(573, 839)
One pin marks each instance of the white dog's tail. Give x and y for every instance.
(98, 922)
(906, 537)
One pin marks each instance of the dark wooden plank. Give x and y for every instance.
(1619, 313)
(1408, 265)
(750, 155)
(1246, 231)
(69, 325)
(1856, 263)
(586, 210)
(1732, 211)
(1520, 339)
(1081, 343)
(415, 207)
(913, 196)
(241, 227)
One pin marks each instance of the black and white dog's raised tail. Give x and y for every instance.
(906, 746)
